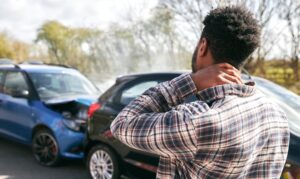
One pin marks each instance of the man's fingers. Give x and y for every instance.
(217, 74)
(232, 79)
(232, 72)
(227, 66)
(224, 80)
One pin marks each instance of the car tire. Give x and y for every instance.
(45, 148)
(102, 163)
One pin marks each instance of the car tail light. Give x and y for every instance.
(93, 108)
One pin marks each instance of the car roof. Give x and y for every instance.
(38, 68)
(151, 74)
(169, 75)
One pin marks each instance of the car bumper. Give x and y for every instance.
(70, 143)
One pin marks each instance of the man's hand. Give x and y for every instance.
(214, 75)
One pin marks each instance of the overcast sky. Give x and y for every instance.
(22, 18)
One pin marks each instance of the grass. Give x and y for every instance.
(281, 75)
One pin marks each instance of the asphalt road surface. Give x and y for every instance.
(17, 162)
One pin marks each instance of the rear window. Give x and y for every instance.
(134, 91)
(108, 94)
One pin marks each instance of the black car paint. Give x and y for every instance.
(99, 124)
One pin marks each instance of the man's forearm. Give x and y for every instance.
(163, 97)
(171, 93)
(151, 117)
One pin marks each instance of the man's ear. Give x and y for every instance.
(202, 50)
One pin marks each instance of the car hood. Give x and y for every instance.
(83, 99)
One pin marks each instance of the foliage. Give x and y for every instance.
(13, 49)
(5, 47)
(165, 40)
(64, 44)
(280, 72)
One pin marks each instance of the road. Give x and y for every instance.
(17, 162)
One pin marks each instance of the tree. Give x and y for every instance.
(65, 44)
(13, 49)
(142, 44)
(6, 50)
(265, 11)
(160, 30)
(189, 15)
(21, 51)
(290, 14)
(55, 36)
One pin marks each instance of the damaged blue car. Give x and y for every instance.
(45, 107)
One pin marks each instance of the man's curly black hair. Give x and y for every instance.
(232, 34)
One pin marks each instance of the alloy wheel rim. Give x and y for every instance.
(101, 165)
(45, 149)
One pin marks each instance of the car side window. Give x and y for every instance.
(134, 91)
(1, 81)
(14, 81)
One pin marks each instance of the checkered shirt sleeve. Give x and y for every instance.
(152, 122)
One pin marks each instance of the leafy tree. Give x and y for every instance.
(65, 44)
(290, 13)
(6, 50)
(55, 36)
(13, 49)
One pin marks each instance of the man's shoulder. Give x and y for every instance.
(267, 105)
(257, 100)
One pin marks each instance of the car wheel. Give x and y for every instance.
(45, 148)
(102, 163)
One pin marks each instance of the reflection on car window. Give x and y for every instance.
(14, 81)
(279, 92)
(136, 90)
(52, 85)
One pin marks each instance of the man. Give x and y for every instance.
(232, 131)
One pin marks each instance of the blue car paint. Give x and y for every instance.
(85, 100)
(19, 117)
(66, 138)
(16, 125)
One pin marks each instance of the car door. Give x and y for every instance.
(16, 110)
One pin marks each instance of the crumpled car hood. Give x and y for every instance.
(82, 99)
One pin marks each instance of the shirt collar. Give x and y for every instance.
(218, 92)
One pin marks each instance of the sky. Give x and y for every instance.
(22, 18)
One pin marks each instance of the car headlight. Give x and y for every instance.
(82, 114)
(72, 124)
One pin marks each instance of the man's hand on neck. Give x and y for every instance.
(217, 74)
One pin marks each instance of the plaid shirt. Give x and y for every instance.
(232, 131)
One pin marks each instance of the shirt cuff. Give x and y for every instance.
(184, 85)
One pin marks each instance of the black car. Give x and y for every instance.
(106, 156)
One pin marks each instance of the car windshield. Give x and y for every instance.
(53, 85)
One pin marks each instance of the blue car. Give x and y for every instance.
(46, 107)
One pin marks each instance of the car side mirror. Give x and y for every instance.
(20, 93)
